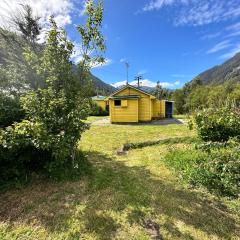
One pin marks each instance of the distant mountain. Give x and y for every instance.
(229, 70)
(144, 88)
(11, 49)
(101, 87)
(147, 89)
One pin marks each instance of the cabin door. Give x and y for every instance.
(169, 109)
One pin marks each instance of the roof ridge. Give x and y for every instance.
(136, 88)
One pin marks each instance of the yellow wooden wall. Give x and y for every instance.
(158, 108)
(101, 103)
(127, 113)
(144, 105)
(163, 108)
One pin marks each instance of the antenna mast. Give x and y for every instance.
(127, 67)
(138, 78)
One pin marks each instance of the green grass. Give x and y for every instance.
(119, 195)
(180, 116)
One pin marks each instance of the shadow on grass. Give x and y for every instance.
(167, 141)
(112, 188)
(163, 122)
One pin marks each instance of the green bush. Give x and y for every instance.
(218, 170)
(218, 124)
(28, 147)
(10, 110)
(47, 138)
(97, 110)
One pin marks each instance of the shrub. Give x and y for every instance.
(27, 147)
(10, 110)
(217, 170)
(97, 110)
(47, 139)
(219, 124)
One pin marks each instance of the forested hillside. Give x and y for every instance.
(212, 88)
(229, 70)
(101, 88)
(11, 52)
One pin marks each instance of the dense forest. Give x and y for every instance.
(211, 88)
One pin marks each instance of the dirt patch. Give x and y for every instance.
(102, 122)
(153, 229)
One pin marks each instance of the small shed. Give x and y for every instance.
(131, 104)
(102, 102)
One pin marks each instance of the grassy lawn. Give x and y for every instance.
(132, 196)
(180, 116)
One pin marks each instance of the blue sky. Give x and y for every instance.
(170, 41)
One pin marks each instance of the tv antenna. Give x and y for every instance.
(138, 78)
(127, 67)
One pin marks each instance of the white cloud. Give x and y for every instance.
(233, 34)
(220, 46)
(170, 85)
(157, 4)
(233, 30)
(119, 84)
(77, 53)
(197, 12)
(211, 36)
(106, 63)
(231, 53)
(235, 27)
(148, 83)
(83, 10)
(60, 9)
(181, 75)
(142, 72)
(77, 56)
(122, 60)
(145, 83)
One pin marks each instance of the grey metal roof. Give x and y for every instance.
(99, 98)
(131, 86)
(125, 97)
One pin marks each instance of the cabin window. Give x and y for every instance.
(124, 103)
(117, 102)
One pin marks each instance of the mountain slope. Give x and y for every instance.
(11, 51)
(229, 70)
(101, 87)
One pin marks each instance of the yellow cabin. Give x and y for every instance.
(131, 104)
(102, 102)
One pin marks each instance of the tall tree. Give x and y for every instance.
(27, 24)
(92, 41)
(62, 105)
(161, 93)
(16, 74)
(55, 113)
(179, 101)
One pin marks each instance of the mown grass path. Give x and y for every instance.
(132, 196)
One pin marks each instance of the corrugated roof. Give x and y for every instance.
(125, 97)
(99, 98)
(136, 88)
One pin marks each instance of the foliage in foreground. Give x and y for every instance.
(46, 140)
(10, 110)
(218, 124)
(216, 167)
(215, 163)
